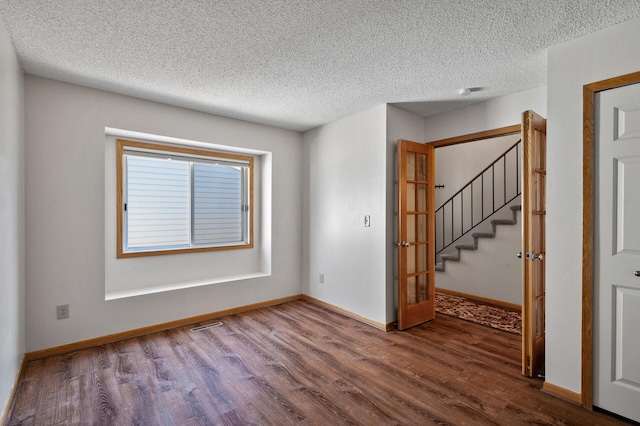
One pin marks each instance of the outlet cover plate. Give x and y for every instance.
(62, 311)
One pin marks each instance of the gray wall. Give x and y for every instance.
(12, 209)
(605, 54)
(67, 215)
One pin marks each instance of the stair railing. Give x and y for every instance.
(490, 190)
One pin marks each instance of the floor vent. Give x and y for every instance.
(204, 327)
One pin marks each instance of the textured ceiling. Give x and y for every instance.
(301, 63)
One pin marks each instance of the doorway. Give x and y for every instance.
(477, 182)
(533, 130)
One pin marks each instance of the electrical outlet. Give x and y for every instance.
(321, 278)
(367, 221)
(62, 311)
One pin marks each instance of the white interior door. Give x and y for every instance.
(617, 252)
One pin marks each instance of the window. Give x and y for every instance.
(178, 199)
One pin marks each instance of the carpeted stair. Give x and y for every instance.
(455, 257)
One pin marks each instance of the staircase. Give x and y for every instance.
(455, 257)
(489, 202)
(495, 187)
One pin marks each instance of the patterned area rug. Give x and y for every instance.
(491, 316)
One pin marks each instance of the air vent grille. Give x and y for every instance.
(204, 327)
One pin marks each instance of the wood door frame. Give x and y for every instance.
(478, 136)
(588, 222)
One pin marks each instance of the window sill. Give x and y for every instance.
(123, 294)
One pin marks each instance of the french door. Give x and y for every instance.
(534, 134)
(416, 255)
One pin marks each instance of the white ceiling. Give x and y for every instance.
(298, 64)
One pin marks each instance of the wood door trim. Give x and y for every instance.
(349, 314)
(561, 392)
(588, 222)
(13, 391)
(472, 137)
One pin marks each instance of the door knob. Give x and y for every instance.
(637, 273)
(402, 244)
(519, 255)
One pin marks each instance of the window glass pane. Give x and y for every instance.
(421, 172)
(411, 165)
(423, 227)
(421, 197)
(177, 198)
(158, 194)
(411, 197)
(217, 203)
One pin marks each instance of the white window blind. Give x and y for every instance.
(158, 198)
(177, 201)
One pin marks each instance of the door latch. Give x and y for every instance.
(533, 256)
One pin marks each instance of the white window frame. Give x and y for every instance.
(191, 155)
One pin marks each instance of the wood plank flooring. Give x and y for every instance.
(296, 363)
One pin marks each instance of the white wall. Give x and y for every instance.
(142, 275)
(457, 164)
(493, 271)
(400, 125)
(608, 53)
(12, 249)
(346, 179)
(65, 206)
(493, 114)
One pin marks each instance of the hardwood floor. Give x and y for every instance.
(296, 363)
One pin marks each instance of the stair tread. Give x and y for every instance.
(483, 235)
(441, 266)
(503, 222)
(466, 247)
(453, 257)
